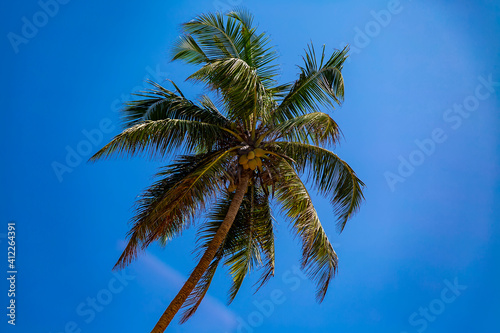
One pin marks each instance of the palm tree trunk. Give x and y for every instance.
(207, 258)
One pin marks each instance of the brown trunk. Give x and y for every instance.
(207, 258)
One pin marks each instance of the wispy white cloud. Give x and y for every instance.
(159, 277)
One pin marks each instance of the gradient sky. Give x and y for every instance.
(415, 93)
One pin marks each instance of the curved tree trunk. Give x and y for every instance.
(207, 258)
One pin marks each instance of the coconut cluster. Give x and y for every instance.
(252, 159)
(249, 160)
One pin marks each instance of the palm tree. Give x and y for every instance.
(236, 155)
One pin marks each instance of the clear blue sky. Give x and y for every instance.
(421, 124)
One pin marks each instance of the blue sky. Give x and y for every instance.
(421, 125)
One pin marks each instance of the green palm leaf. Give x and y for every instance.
(255, 247)
(194, 300)
(188, 50)
(157, 138)
(236, 81)
(216, 35)
(248, 245)
(255, 48)
(170, 205)
(161, 103)
(331, 175)
(319, 260)
(317, 127)
(320, 83)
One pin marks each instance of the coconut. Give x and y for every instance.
(259, 161)
(243, 159)
(252, 164)
(231, 188)
(251, 155)
(259, 152)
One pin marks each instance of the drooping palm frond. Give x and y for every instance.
(170, 205)
(319, 83)
(256, 247)
(319, 259)
(248, 245)
(332, 176)
(194, 300)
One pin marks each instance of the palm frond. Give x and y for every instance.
(256, 247)
(186, 48)
(319, 83)
(208, 104)
(216, 36)
(158, 138)
(319, 259)
(237, 62)
(196, 296)
(249, 243)
(255, 48)
(332, 176)
(317, 127)
(170, 204)
(160, 103)
(237, 82)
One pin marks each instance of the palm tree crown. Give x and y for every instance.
(258, 136)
